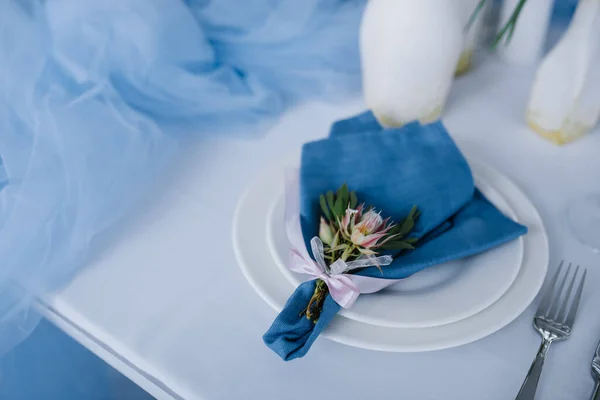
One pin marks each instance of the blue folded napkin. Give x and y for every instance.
(392, 170)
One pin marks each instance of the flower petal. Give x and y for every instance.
(357, 237)
(371, 240)
(367, 252)
(359, 211)
(372, 221)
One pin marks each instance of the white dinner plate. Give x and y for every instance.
(395, 330)
(435, 296)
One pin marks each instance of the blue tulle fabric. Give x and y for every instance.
(97, 96)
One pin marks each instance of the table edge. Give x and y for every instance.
(152, 385)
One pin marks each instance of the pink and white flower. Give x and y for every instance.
(365, 230)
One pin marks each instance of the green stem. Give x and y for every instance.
(315, 305)
(510, 24)
(475, 13)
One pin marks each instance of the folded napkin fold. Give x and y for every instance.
(391, 169)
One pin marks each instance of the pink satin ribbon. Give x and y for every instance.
(344, 288)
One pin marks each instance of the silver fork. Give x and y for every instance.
(596, 373)
(554, 321)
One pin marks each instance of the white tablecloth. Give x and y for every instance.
(168, 306)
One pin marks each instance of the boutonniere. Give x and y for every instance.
(353, 236)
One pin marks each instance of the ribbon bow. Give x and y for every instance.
(343, 287)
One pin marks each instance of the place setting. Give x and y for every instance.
(475, 272)
(391, 239)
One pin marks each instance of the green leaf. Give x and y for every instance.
(417, 215)
(398, 245)
(346, 254)
(324, 207)
(353, 200)
(330, 199)
(413, 211)
(336, 239)
(406, 226)
(340, 247)
(338, 208)
(395, 230)
(343, 195)
(412, 240)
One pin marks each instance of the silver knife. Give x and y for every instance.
(596, 373)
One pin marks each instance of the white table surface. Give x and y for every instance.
(168, 306)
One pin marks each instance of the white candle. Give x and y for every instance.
(409, 52)
(529, 36)
(565, 98)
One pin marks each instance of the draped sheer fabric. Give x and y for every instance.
(96, 97)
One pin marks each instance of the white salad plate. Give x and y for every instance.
(443, 306)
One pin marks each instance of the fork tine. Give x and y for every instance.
(573, 310)
(563, 308)
(553, 310)
(547, 297)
